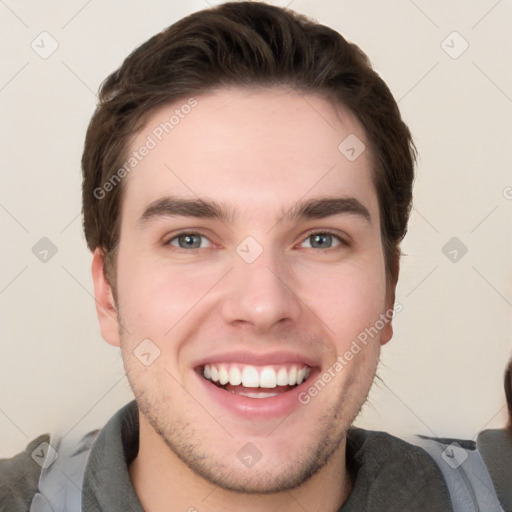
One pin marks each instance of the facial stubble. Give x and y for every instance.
(185, 442)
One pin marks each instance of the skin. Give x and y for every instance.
(258, 151)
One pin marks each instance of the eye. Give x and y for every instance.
(324, 240)
(187, 241)
(318, 240)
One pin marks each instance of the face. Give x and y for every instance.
(250, 261)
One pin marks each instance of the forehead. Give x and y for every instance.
(254, 149)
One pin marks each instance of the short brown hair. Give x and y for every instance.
(244, 44)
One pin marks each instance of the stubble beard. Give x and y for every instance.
(186, 443)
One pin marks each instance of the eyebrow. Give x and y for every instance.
(316, 208)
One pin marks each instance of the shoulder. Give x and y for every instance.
(465, 471)
(428, 468)
(36, 473)
(387, 448)
(19, 476)
(390, 472)
(398, 457)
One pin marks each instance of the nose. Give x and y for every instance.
(261, 295)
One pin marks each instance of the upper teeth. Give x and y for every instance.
(256, 376)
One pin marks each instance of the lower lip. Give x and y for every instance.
(258, 408)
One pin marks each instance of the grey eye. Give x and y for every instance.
(187, 241)
(322, 240)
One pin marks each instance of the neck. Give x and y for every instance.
(159, 478)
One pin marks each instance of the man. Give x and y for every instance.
(495, 445)
(247, 183)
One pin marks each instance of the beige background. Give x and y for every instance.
(442, 372)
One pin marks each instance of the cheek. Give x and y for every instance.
(347, 300)
(156, 297)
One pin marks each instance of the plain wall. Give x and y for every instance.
(442, 372)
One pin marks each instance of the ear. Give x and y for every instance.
(391, 281)
(105, 304)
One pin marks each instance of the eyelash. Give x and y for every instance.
(342, 242)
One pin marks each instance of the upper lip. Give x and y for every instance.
(257, 358)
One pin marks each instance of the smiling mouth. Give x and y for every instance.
(255, 381)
